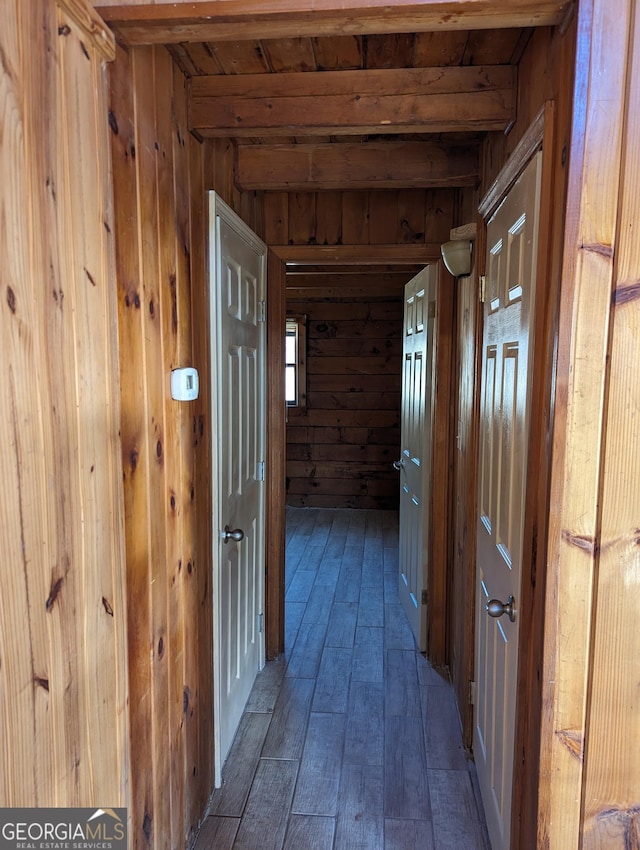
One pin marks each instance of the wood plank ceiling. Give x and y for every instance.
(355, 111)
(327, 95)
(323, 94)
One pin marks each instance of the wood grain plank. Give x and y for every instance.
(382, 165)
(266, 688)
(217, 834)
(397, 632)
(364, 733)
(87, 346)
(402, 691)
(135, 450)
(406, 790)
(445, 99)
(368, 655)
(443, 733)
(309, 831)
(320, 767)
(305, 658)
(408, 834)
(265, 817)
(579, 436)
(286, 735)
(371, 607)
(241, 765)
(360, 824)
(342, 624)
(611, 780)
(332, 683)
(455, 814)
(166, 23)
(275, 466)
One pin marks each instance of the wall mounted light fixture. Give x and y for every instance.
(457, 256)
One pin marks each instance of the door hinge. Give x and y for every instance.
(260, 623)
(260, 471)
(425, 596)
(472, 693)
(262, 311)
(483, 288)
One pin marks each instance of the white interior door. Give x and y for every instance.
(237, 297)
(415, 436)
(512, 239)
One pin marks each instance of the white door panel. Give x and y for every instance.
(416, 438)
(237, 265)
(512, 239)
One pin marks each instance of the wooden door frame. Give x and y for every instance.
(542, 132)
(278, 257)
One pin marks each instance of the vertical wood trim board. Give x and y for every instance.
(63, 680)
(589, 723)
(275, 468)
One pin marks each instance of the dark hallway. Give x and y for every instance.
(352, 741)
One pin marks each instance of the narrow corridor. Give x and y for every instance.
(352, 740)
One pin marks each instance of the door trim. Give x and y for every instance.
(216, 206)
(527, 743)
(279, 256)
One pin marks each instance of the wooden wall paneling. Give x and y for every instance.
(302, 218)
(172, 504)
(575, 548)
(90, 447)
(133, 425)
(184, 600)
(355, 218)
(384, 224)
(442, 468)
(341, 446)
(220, 170)
(153, 307)
(338, 167)
(200, 752)
(26, 690)
(329, 218)
(276, 457)
(411, 215)
(249, 210)
(276, 218)
(160, 173)
(439, 215)
(63, 609)
(612, 780)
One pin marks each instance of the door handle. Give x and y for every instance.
(398, 464)
(236, 534)
(495, 608)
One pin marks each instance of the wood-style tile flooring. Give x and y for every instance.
(351, 741)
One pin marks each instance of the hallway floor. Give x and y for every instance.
(351, 741)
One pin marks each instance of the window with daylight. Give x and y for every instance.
(294, 358)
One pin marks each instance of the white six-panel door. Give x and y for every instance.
(237, 295)
(416, 437)
(512, 239)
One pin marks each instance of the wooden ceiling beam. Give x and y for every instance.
(374, 165)
(356, 255)
(231, 20)
(404, 100)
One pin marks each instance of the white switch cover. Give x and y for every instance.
(184, 384)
